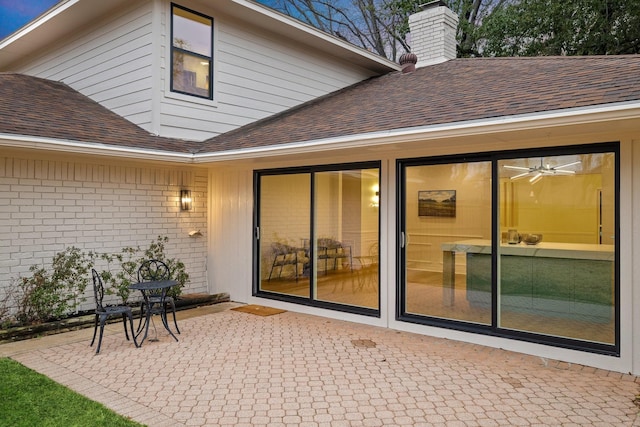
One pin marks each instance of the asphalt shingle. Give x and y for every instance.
(455, 91)
(43, 108)
(459, 90)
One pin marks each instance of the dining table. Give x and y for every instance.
(149, 289)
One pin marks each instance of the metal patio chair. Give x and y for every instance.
(154, 269)
(104, 312)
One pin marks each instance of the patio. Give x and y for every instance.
(234, 368)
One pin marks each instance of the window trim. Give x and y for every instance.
(172, 49)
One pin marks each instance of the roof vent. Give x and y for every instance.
(408, 62)
(433, 33)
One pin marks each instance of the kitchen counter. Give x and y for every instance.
(542, 249)
(552, 279)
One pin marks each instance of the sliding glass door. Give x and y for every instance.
(519, 244)
(557, 255)
(317, 233)
(285, 218)
(448, 211)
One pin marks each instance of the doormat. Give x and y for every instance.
(260, 310)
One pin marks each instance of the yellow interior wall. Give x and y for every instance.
(561, 208)
(426, 234)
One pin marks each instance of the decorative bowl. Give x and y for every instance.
(532, 239)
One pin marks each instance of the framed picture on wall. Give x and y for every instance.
(440, 203)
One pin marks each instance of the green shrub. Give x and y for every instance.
(54, 293)
(156, 250)
(126, 265)
(126, 274)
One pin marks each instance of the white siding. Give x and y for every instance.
(230, 255)
(123, 62)
(110, 61)
(48, 205)
(255, 75)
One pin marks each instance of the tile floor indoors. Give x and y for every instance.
(289, 369)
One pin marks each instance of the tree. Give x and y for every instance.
(364, 23)
(570, 27)
(381, 26)
(471, 14)
(486, 27)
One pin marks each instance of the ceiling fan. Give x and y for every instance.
(542, 170)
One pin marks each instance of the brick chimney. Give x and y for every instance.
(433, 33)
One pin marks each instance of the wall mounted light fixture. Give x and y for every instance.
(375, 200)
(186, 202)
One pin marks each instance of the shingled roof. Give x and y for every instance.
(455, 91)
(43, 108)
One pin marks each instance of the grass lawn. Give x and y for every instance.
(28, 398)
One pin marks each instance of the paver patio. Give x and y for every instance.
(290, 369)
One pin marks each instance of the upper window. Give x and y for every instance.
(191, 52)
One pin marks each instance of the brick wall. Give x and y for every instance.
(49, 205)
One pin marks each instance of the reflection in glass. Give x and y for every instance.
(191, 52)
(285, 216)
(556, 263)
(336, 260)
(346, 243)
(448, 222)
(192, 32)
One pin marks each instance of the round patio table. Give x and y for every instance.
(148, 288)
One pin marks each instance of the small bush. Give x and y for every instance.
(156, 250)
(129, 260)
(52, 294)
(56, 292)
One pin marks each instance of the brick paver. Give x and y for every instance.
(232, 368)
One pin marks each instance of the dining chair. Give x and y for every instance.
(104, 312)
(154, 269)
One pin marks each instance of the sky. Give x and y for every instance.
(16, 13)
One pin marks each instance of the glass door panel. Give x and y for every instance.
(447, 255)
(556, 256)
(285, 214)
(345, 246)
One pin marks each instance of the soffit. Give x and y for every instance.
(68, 16)
(62, 19)
(260, 16)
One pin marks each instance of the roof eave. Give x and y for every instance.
(94, 149)
(541, 120)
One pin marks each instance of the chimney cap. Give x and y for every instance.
(432, 4)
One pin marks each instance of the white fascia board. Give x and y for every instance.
(55, 10)
(95, 149)
(566, 117)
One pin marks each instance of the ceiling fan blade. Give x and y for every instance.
(517, 168)
(536, 177)
(566, 165)
(520, 175)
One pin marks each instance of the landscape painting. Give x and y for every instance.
(440, 203)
